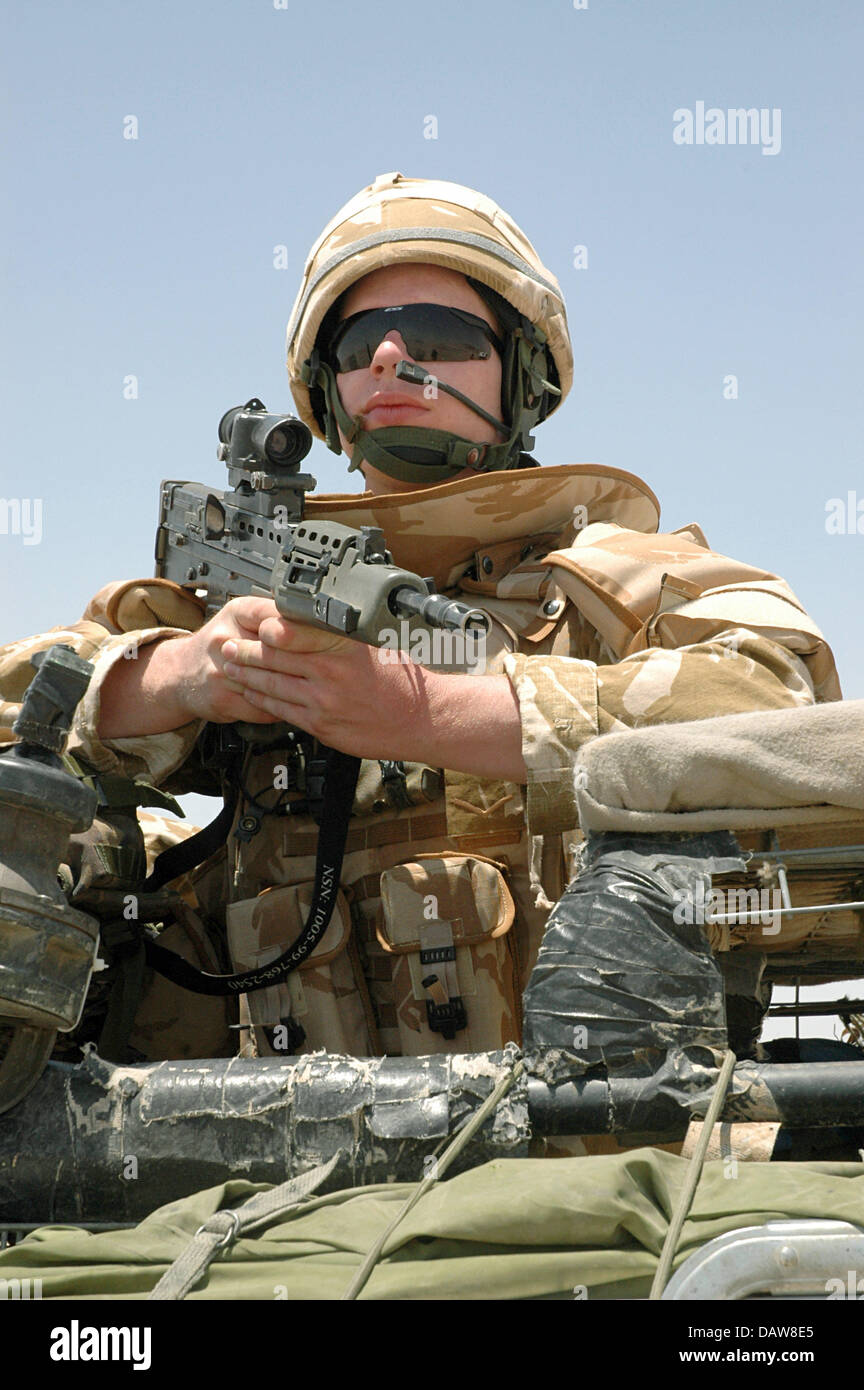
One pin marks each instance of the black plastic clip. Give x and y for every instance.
(447, 1017)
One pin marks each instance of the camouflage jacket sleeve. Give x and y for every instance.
(674, 631)
(564, 701)
(144, 612)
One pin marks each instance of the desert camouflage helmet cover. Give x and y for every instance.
(398, 219)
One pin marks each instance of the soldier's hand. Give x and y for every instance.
(250, 663)
(339, 690)
(377, 703)
(195, 667)
(183, 678)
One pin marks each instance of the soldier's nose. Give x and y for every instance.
(388, 354)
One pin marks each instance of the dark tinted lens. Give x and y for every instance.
(430, 332)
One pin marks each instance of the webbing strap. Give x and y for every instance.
(119, 793)
(188, 854)
(128, 957)
(395, 784)
(223, 1228)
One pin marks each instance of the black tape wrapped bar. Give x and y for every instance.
(193, 1124)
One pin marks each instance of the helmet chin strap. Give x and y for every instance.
(412, 453)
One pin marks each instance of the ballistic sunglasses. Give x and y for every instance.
(430, 332)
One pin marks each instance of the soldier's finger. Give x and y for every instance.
(295, 689)
(298, 637)
(282, 711)
(250, 613)
(241, 708)
(241, 654)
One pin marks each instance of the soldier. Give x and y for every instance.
(426, 343)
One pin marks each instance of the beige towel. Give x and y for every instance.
(780, 767)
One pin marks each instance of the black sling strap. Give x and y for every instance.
(339, 788)
(188, 854)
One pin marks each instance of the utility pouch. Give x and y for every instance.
(444, 924)
(324, 1003)
(109, 855)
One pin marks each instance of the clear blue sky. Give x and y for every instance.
(154, 256)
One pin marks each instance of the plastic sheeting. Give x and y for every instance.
(625, 974)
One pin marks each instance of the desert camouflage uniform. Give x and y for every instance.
(599, 627)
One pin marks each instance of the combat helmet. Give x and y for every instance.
(396, 220)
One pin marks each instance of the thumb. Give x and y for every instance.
(299, 637)
(249, 613)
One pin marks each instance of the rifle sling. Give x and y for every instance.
(339, 787)
(188, 854)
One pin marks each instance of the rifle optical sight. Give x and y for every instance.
(250, 438)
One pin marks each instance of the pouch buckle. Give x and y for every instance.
(446, 1019)
(445, 1015)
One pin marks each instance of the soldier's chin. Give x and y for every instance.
(379, 484)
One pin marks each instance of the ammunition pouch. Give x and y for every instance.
(443, 936)
(324, 1003)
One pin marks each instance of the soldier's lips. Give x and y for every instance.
(389, 407)
(389, 414)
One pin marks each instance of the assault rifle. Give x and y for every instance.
(252, 539)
